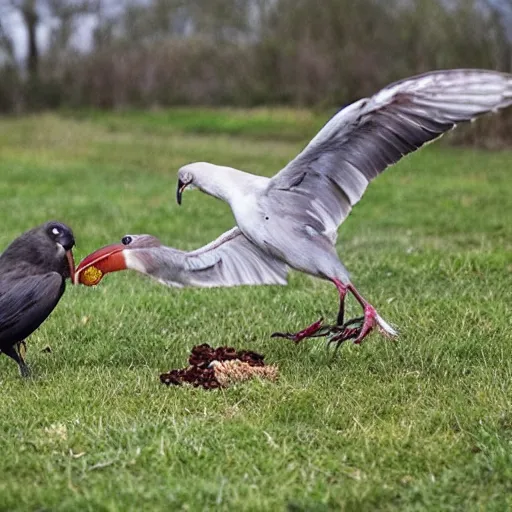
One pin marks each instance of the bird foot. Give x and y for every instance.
(348, 331)
(356, 329)
(369, 322)
(359, 328)
(314, 330)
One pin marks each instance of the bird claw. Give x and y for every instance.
(338, 333)
(312, 331)
(358, 320)
(286, 335)
(348, 334)
(354, 329)
(349, 330)
(346, 331)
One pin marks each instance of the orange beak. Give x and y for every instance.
(92, 268)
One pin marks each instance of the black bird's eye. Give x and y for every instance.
(56, 231)
(127, 240)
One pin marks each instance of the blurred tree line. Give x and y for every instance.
(239, 52)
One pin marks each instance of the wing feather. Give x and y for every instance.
(332, 173)
(233, 260)
(26, 303)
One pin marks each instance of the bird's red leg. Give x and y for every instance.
(342, 290)
(368, 322)
(317, 329)
(356, 328)
(370, 315)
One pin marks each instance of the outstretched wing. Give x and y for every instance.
(25, 303)
(232, 260)
(331, 174)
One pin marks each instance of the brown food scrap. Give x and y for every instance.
(229, 366)
(204, 377)
(203, 355)
(235, 370)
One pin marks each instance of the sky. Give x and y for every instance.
(82, 39)
(15, 28)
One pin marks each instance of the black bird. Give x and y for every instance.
(33, 273)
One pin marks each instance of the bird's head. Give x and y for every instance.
(48, 246)
(211, 179)
(60, 238)
(112, 258)
(60, 234)
(189, 176)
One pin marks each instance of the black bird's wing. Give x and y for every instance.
(25, 303)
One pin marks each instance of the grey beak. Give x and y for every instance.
(179, 191)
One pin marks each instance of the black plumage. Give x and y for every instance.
(33, 273)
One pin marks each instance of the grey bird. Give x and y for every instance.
(230, 260)
(294, 216)
(33, 272)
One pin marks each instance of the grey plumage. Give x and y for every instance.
(230, 260)
(331, 174)
(294, 216)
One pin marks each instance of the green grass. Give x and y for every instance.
(423, 423)
(261, 123)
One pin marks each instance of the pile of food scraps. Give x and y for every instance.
(213, 368)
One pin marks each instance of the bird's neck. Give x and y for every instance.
(230, 185)
(139, 260)
(159, 262)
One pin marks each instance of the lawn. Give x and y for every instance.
(421, 423)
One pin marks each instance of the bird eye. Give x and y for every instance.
(56, 231)
(126, 240)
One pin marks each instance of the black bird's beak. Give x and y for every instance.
(71, 263)
(67, 241)
(179, 190)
